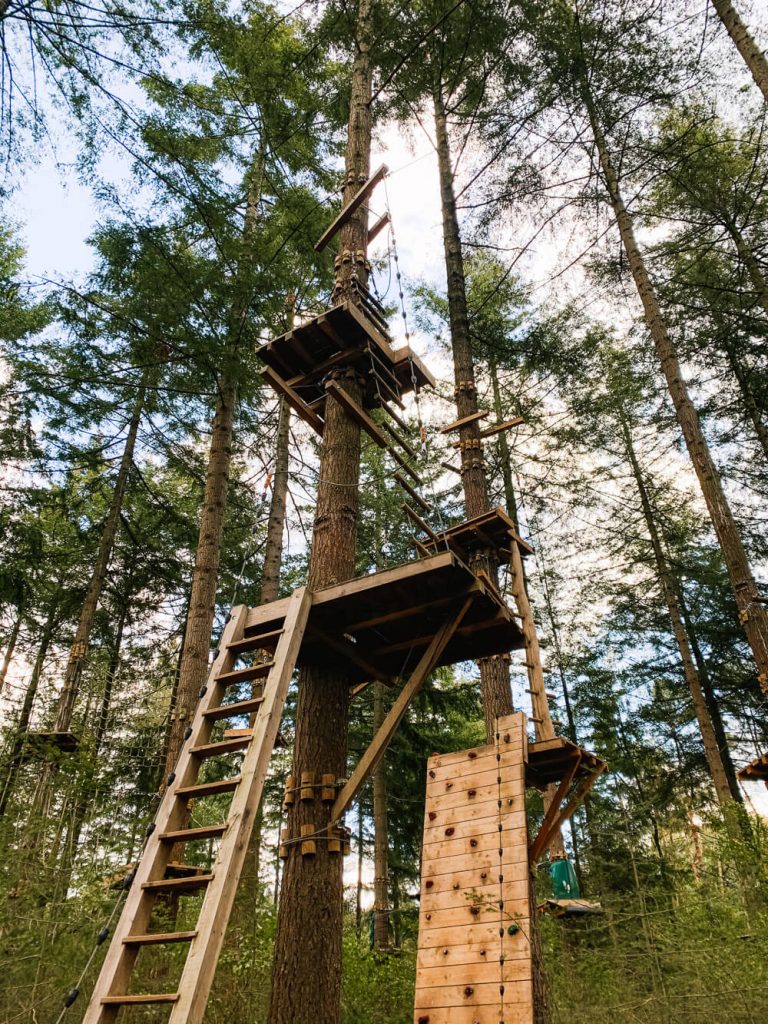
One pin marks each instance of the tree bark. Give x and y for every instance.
(494, 673)
(273, 550)
(749, 260)
(753, 56)
(670, 591)
(306, 976)
(11, 646)
(752, 614)
(754, 412)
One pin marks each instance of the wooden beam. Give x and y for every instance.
(453, 469)
(464, 422)
(424, 505)
(391, 412)
(399, 439)
(381, 740)
(378, 227)
(346, 214)
(297, 403)
(581, 792)
(416, 518)
(348, 355)
(540, 842)
(359, 415)
(498, 427)
(348, 650)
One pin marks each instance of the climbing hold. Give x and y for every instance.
(473, 843)
(102, 936)
(428, 884)
(431, 773)
(450, 831)
(513, 929)
(468, 991)
(471, 792)
(432, 815)
(71, 996)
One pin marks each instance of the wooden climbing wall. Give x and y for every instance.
(474, 960)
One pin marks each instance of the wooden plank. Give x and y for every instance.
(497, 428)
(475, 845)
(381, 740)
(241, 707)
(478, 760)
(354, 204)
(295, 401)
(453, 469)
(140, 1000)
(171, 816)
(391, 412)
(347, 355)
(489, 972)
(449, 897)
(190, 835)
(556, 799)
(378, 227)
(484, 859)
(416, 518)
(486, 994)
(200, 966)
(513, 1014)
(469, 877)
(208, 788)
(227, 746)
(349, 650)
(398, 574)
(265, 641)
(424, 505)
(464, 422)
(159, 938)
(474, 827)
(474, 953)
(360, 416)
(399, 439)
(189, 884)
(484, 934)
(244, 675)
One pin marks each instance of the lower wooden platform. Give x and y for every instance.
(376, 626)
(42, 745)
(569, 908)
(493, 530)
(756, 770)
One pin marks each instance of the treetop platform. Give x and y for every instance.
(377, 626)
(494, 529)
(552, 760)
(344, 335)
(755, 771)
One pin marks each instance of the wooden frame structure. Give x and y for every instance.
(755, 771)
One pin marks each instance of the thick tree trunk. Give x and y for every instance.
(753, 56)
(11, 645)
(670, 593)
(380, 836)
(306, 978)
(73, 674)
(753, 615)
(494, 673)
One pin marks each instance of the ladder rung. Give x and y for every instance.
(158, 938)
(227, 746)
(165, 997)
(256, 643)
(188, 835)
(242, 707)
(209, 788)
(243, 675)
(178, 884)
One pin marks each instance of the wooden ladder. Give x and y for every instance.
(171, 826)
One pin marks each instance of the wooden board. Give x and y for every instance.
(474, 955)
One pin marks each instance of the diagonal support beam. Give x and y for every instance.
(355, 202)
(569, 808)
(388, 728)
(541, 840)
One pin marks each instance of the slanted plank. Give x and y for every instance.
(464, 421)
(295, 401)
(378, 227)
(424, 505)
(354, 204)
(359, 415)
(498, 427)
(159, 938)
(416, 518)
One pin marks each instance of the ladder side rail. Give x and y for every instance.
(118, 964)
(200, 966)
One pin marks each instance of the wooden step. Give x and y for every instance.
(158, 938)
(209, 788)
(189, 835)
(262, 641)
(242, 707)
(178, 884)
(243, 675)
(142, 1000)
(225, 746)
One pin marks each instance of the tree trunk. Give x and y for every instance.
(750, 262)
(505, 456)
(11, 647)
(74, 671)
(306, 977)
(273, 551)
(494, 673)
(753, 615)
(753, 56)
(755, 413)
(670, 590)
(22, 725)
(380, 836)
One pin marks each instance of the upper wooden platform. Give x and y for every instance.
(493, 530)
(376, 626)
(551, 761)
(756, 770)
(345, 335)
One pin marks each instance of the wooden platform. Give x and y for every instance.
(474, 961)
(378, 625)
(39, 744)
(755, 771)
(551, 761)
(343, 336)
(493, 530)
(569, 908)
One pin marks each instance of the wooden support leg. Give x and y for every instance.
(381, 740)
(540, 842)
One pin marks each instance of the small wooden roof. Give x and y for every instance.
(377, 626)
(550, 760)
(344, 335)
(756, 770)
(494, 529)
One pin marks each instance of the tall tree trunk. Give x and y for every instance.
(273, 550)
(505, 455)
(494, 673)
(755, 412)
(74, 671)
(11, 645)
(749, 260)
(753, 56)
(380, 835)
(670, 592)
(306, 977)
(7, 780)
(753, 615)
